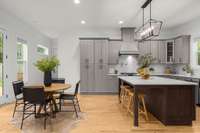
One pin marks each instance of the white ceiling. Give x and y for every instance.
(52, 17)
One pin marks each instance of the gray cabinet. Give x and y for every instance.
(182, 49)
(154, 50)
(87, 77)
(87, 51)
(113, 54)
(161, 52)
(112, 84)
(101, 51)
(101, 71)
(145, 47)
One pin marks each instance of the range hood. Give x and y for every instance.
(129, 45)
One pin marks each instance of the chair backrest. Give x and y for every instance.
(77, 87)
(34, 94)
(17, 87)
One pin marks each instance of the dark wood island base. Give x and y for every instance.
(171, 104)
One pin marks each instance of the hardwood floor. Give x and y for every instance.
(101, 114)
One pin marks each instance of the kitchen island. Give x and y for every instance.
(170, 101)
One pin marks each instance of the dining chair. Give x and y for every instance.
(33, 96)
(17, 87)
(71, 97)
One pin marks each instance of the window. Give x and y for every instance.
(22, 60)
(198, 52)
(42, 50)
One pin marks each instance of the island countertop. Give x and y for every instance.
(154, 80)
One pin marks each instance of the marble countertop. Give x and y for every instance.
(154, 80)
(179, 75)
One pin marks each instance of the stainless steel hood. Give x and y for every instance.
(129, 45)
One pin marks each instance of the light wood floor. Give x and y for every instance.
(101, 114)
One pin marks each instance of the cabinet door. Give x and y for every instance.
(154, 50)
(87, 51)
(101, 51)
(177, 50)
(185, 55)
(87, 77)
(101, 71)
(145, 47)
(114, 48)
(113, 84)
(161, 52)
(83, 77)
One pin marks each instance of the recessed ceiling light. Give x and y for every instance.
(77, 1)
(120, 22)
(83, 22)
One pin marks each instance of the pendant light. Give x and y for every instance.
(150, 29)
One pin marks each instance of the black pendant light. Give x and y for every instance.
(150, 29)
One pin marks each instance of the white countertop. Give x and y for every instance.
(154, 80)
(179, 75)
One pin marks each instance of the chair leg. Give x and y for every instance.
(45, 115)
(60, 104)
(77, 101)
(14, 109)
(75, 109)
(35, 110)
(23, 115)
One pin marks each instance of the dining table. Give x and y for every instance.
(54, 88)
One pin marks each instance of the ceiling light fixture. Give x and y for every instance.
(83, 22)
(77, 1)
(149, 29)
(120, 22)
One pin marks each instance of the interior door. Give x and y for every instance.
(3, 76)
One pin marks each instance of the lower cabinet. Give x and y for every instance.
(87, 77)
(94, 78)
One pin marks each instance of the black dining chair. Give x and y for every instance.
(33, 96)
(71, 97)
(17, 87)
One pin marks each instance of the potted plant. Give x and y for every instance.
(144, 63)
(47, 65)
(187, 68)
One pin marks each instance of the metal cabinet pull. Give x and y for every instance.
(101, 61)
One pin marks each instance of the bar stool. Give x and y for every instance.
(124, 95)
(142, 105)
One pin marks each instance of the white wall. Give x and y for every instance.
(15, 28)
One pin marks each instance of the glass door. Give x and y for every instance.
(2, 61)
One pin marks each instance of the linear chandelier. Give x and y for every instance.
(150, 29)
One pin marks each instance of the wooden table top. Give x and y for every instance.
(53, 88)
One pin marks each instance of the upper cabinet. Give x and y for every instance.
(182, 49)
(101, 51)
(162, 52)
(87, 51)
(113, 54)
(176, 50)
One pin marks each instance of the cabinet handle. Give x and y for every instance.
(180, 60)
(101, 61)
(87, 66)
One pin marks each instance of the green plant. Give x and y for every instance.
(187, 68)
(47, 64)
(145, 60)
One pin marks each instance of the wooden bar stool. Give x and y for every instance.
(142, 105)
(124, 95)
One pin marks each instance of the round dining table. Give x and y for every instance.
(50, 91)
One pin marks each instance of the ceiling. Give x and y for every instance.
(53, 17)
